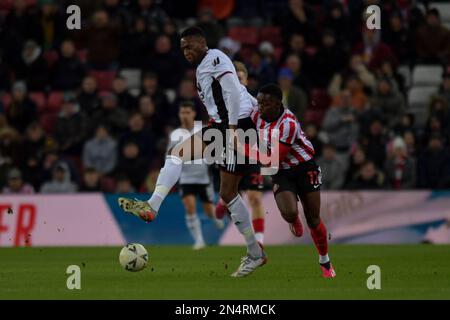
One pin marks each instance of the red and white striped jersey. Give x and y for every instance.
(290, 132)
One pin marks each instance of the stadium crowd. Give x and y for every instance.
(91, 109)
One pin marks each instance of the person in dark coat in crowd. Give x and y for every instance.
(33, 68)
(68, 71)
(133, 164)
(88, 96)
(434, 165)
(21, 111)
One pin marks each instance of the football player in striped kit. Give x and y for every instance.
(298, 176)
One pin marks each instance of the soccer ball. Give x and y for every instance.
(133, 257)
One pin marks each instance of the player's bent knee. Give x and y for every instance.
(312, 222)
(289, 215)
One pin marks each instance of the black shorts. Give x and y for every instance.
(204, 191)
(304, 178)
(244, 124)
(252, 180)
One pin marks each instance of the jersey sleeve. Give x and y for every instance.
(288, 131)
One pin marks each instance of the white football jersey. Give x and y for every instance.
(215, 65)
(192, 172)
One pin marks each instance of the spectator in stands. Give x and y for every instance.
(21, 111)
(434, 127)
(397, 36)
(32, 68)
(124, 97)
(368, 178)
(91, 181)
(133, 164)
(35, 144)
(340, 124)
(68, 71)
(166, 62)
(187, 91)
(10, 151)
(118, 15)
(373, 50)
(338, 21)
(124, 184)
(358, 98)
(357, 160)
(329, 59)
(212, 29)
(311, 133)
(70, 127)
(301, 80)
(153, 121)
(88, 97)
(400, 168)
(300, 19)
(136, 44)
(389, 101)
(297, 46)
(16, 185)
(60, 182)
(101, 39)
(53, 24)
(170, 30)
(100, 152)
(261, 67)
(150, 87)
(356, 68)
(433, 40)
(332, 168)
(406, 124)
(137, 133)
(410, 139)
(294, 98)
(374, 143)
(110, 114)
(439, 108)
(387, 71)
(433, 164)
(20, 24)
(154, 15)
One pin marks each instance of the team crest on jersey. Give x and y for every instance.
(216, 61)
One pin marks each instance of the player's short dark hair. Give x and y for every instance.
(193, 31)
(273, 90)
(187, 104)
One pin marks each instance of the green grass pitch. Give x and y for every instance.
(292, 272)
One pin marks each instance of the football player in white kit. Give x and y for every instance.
(195, 179)
(220, 91)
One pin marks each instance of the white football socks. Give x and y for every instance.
(167, 178)
(324, 259)
(241, 219)
(195, 227)
(259, 237)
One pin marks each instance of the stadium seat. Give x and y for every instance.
(47, 121)
(277, 53)
(55, 100)
(104, 78)
(39, 99)
(320, 100)
(31, 3)
(405, 72)
(427, 75)
(51, 57)
(234, 22)
(245, 35)
(443, 8)
(6, 5)
(271, 34)
(133, 77)
(419, 97)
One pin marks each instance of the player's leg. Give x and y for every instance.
(255, 201)
(311, 208)
(189, 149)
(207, 197)
(192, 221)
(229, 183)
(287, 204)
